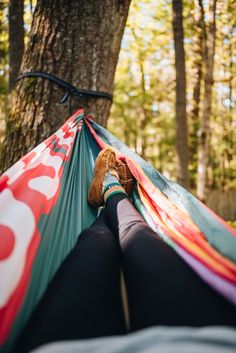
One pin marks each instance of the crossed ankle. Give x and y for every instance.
(112, 190)
(108, 180)
(110, 186)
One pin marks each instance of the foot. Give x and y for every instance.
(125, 176)
(105, 163)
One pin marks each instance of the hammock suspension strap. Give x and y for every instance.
(70, 89)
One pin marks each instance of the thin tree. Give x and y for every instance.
(144, 116)
(197, 73)
(204, 135)
(181, 114)
(78, 41)
(16, 39)
(3, 69)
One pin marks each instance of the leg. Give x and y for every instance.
(162, 289)
(83, 299)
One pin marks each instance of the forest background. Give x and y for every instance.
(156, 81)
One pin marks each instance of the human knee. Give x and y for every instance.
(134, 229)
(99, 237)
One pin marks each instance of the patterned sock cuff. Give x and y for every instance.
(117, 189)
(110, 186)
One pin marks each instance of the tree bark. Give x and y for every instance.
(181, 114)
(231, 135)
(199, 40)
(144, 113)
(204, 136)
(78, 41)
(144, 117)
(16, 39)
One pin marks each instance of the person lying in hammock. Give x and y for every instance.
(84, 300)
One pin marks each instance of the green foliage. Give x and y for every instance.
(4, 60)
(144, 99)
(143, 113)
(143, 110)
(232, 224)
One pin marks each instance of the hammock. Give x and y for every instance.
(43, 209)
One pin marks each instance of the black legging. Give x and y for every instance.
(83, 300)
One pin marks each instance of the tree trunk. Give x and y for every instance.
(144, 118)
(78, 41)
(181, 114)
(204, 136)
(231, 135)
(16, 39)
(199, 28)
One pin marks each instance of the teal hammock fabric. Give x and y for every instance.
(43, 209)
